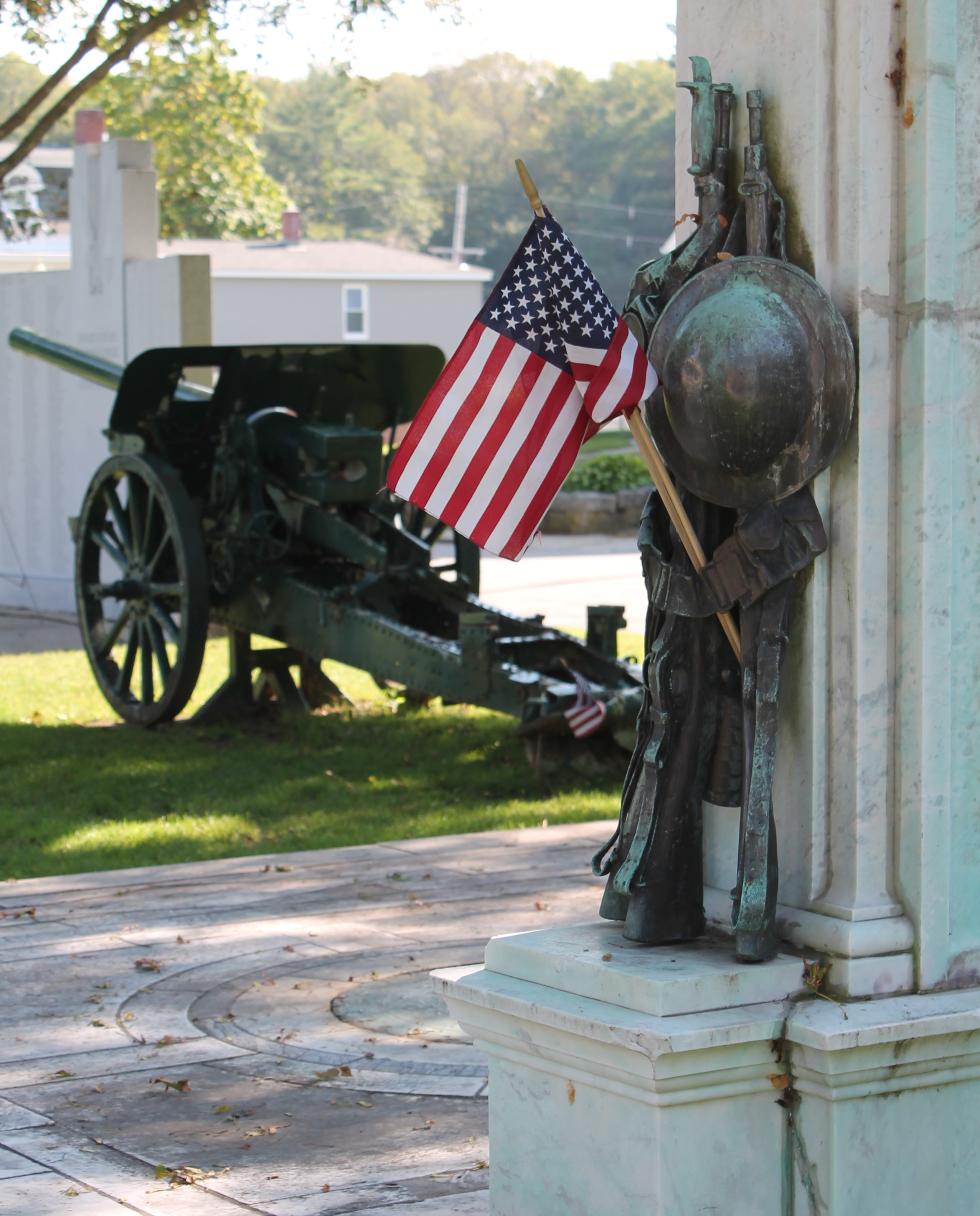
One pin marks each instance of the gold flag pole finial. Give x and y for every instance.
(530, 189)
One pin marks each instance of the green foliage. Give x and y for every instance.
(607, 474)
(380, 160)
(18, 80)
(202, 117)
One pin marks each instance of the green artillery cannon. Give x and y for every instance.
(258, 504)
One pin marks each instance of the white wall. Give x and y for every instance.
(116, 300)
(269, 309)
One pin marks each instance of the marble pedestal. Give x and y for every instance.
(676, 1081)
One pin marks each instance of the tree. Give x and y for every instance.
(202, 117)
(354, 170)
(112, 30)
(382, 159)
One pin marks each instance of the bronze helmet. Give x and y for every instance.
(757, 370)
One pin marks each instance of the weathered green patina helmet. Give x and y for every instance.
(757, 369)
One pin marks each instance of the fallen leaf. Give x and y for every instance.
(325, 1187)
(181, 1086)
(283, 869)
(71, 1192)
(364, 1102)
(181, 941)
(607, 958)
(426, 1126)
(222, 1109)
(97, 1022)
(570, 1090)
(814, 974)
(129, 1017)
(262, 1131)
(778, 1080)
(185, 1175)
(541, 907)
(147, 964)
(168, 1040)
(62, 1072)
(289, 949)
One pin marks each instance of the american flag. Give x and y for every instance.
(587, 714)
(546, 362)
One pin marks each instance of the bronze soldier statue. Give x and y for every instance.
(756, 394)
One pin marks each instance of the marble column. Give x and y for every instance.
(772, 1099)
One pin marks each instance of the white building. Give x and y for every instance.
(335, 291)
(111, 293)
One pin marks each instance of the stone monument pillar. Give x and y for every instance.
(672, 1079)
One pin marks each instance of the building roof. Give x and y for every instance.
(42, 157)
(267, 259)
(322, 259)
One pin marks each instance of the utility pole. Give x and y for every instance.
(458, 249)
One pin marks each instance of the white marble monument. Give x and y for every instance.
(671, 1080)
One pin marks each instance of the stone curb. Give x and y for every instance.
(583, 511)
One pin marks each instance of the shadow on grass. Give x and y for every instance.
(78, 798)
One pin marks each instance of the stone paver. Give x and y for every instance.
(266, 1022)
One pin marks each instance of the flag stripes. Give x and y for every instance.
(587, 714)
(545, 363)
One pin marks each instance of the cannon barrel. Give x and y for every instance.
(103, 372)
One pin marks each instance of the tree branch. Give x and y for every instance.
(44, 90)
(174, 12)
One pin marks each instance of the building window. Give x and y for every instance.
(355, 312)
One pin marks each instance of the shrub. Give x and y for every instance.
(607, 474)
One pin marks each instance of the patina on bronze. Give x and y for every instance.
(758, 375)
(757, 388)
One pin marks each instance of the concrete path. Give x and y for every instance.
(559, 576)
(258, 1034)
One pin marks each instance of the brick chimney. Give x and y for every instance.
(89, 126)
(291, 227)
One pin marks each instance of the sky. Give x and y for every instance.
(419, 38)
(565, 32)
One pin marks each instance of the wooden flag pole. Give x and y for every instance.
(654, 462)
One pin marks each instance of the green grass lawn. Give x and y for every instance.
(607, 442)
(81, 792)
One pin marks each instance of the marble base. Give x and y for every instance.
(746, 1107)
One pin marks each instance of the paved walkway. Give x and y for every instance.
(258, 1034)
(559, 576)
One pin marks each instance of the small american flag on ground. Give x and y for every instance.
(587, 714)
(546, 362)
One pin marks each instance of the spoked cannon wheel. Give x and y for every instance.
(464, 565)
(141, 586)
